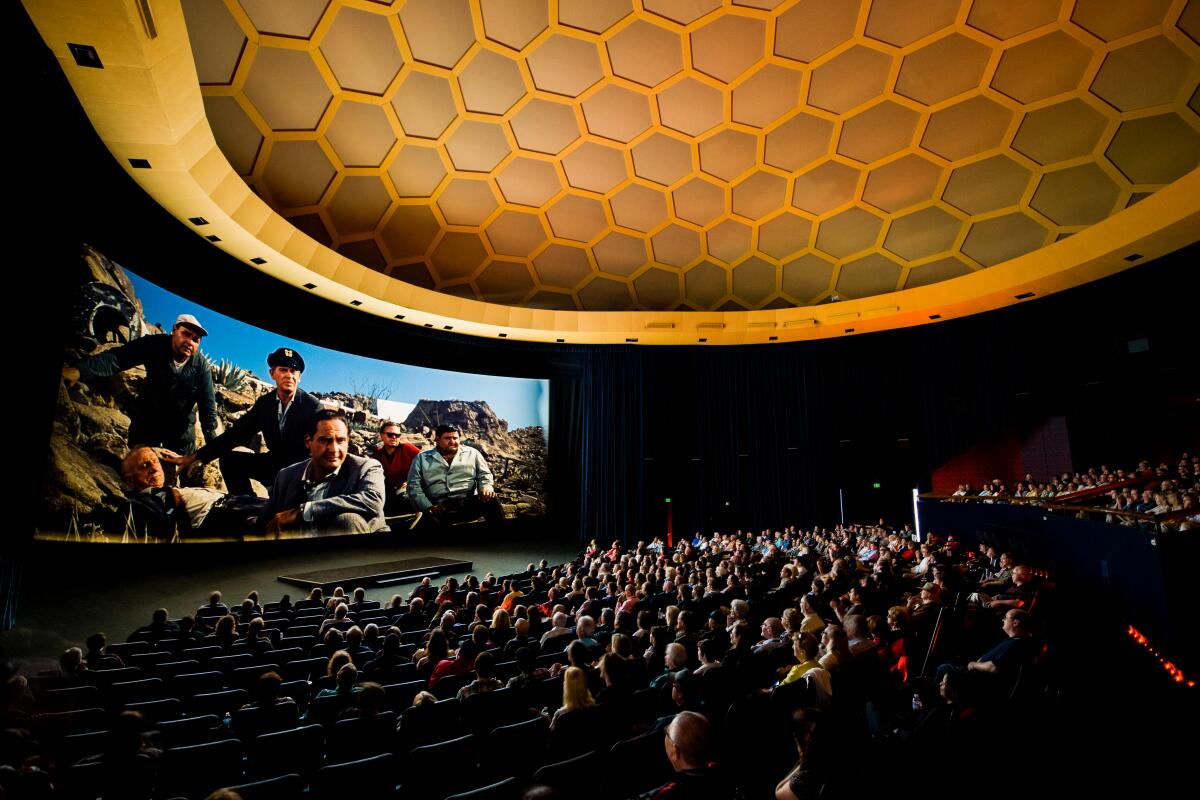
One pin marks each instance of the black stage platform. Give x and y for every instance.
(378, 574)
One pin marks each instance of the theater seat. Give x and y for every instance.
(248, 723)
(158, 710)
(192, 730)
(219, 703)
(518, 749)
(358, 737)
(644, 765)
(70, 699)
(574, 777)
(197, 769)
(508, 789)
(365, 779)
(284, 787)
(442, 768)
(298, 750)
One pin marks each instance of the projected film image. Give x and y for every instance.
(177, 424)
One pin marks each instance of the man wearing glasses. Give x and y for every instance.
(397, 458)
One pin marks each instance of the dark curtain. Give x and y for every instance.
(607, 414)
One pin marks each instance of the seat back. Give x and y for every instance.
(441, 768)
(195, 770)
(219, 703)
(169, 669)
(107, 677)
(370, 778)
(527, 738)
(296, 750)
(564, 776)
(283, 787)
(507, 789)
(644, 765)
(188, 684)
(70, 698)
(124, 692)
(248, 723)
(359, 737)
(192, 730)
(400, 695)
(156, 710)
(483, 711)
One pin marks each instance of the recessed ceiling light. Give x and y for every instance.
(356, 302)
(258, 260)
(198, 220)
(139, 163)
(399, 316)
(935, 316)
(1134, 257)
(560, 341)
(85, 55)
(503, 335)
(213, 238)
(1024, 295)
(310, 286)
(849, 330)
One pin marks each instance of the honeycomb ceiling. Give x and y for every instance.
(608, 155)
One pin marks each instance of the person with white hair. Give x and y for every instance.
(559, 635)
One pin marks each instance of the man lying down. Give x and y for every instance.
(170, 512)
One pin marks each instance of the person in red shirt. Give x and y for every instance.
(396, 457)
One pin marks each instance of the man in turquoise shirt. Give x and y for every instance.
(451, 483)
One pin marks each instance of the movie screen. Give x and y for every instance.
(177, 424)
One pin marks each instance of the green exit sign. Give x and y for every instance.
(876, 485)
(666, 499)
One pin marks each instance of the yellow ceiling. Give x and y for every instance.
(665, 171)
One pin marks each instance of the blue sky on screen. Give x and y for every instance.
(520, 401)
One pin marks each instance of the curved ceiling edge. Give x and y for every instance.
(146, 106)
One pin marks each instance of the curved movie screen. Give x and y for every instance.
(178, 424)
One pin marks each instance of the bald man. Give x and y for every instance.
(696, 778)
(168, 511)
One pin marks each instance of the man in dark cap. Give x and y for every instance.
(281, 416)
(178, 382)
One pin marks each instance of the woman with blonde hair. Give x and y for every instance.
(576, 695)
(501, 630)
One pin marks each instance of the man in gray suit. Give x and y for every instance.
(332, 492)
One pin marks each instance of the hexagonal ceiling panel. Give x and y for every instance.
(609, 154)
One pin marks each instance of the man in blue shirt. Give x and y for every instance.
(451, 483)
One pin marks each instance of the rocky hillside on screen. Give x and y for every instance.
(83, 488)
(517, 457)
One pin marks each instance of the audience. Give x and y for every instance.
(676, 652)
(1166, 491)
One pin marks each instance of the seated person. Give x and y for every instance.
(1017, 649)
(396, 457)
(164, 511)
(687, 746)
(485, 677)
(450, 483)
(333, 492)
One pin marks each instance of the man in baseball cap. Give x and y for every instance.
(178, 384)
(281, 416)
